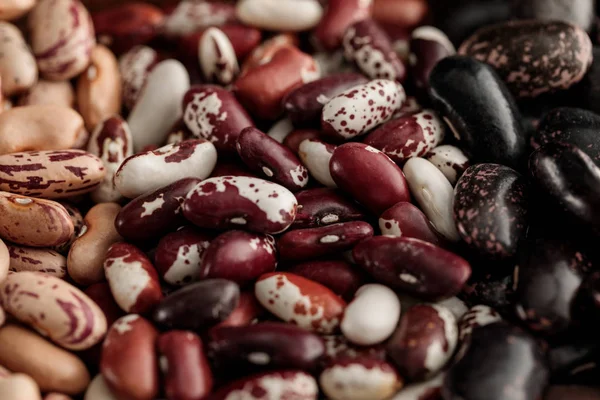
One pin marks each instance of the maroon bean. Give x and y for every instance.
(311, 243)
(178, 256)
(324, 206)
(297, 136)
(185, 368)
(304, 104)
(270, 159)
(239, 256)
(267, 345)
(370, 48)
(198, 306)
(153, 214)
(405, 219)
(338, 275)
(337, 347)
(411, 136)
(247, 310)
(369, 176)
(213, 113)
(231, 167)
(338, 16)
(101, 295)
(424, 341)
(414, 266)
(231, 202)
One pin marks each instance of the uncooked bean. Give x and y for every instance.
(59, 93)
(13, 9)
(19, 387)
(4, 260)
(17, 65)
(35, 259)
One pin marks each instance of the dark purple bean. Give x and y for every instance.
(305, 244)
(406, 220)
(304, 104)
(198, 306)
(324, 206)
(414, 266)
(152, 215)
(271, 160)
(239, 256)
(267, 345)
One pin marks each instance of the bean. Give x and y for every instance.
(450, 160)
(190, 16)
(19, 387)
(4, 260)
(338, 348)
(339, 14)
(44, 92)
(405, 13)
(281, 129)
(17, 65)
(427, 390)
(405, 220)
(98, 390)
(217, 57)
(35, 259)
(316, 155)
(266, 50)
(16, 9)
(477, 316)
(297, 136)
(78, 224)
(280, 15)
(101, 295)
(246, 312)
(134, 67)
(322, 206)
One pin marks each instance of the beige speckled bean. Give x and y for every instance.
(58, 93)
(36, 259)
(13, 9)
(54, 369)
(17, 65)
(4, 260)
(19, 387)
(33, 222)
(99, 87)
(86, 257)
(55, 308)
(39, 127)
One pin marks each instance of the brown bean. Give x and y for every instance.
(35, 259)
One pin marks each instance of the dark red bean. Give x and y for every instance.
(324, 206)
(198, 306)
(414, 266)
(247, 310)
(305, 244)
(369, 176)
(152, 215)
(101, 295)
(267, 345)
(339, 14)
(185, 368)
(271, 160)
(239, 256)
(304, 104)
(405, 219)
(231, 167)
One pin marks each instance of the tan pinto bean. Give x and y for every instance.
(59, 93)
(89, 249)
(39, 127)
(4, 261)
(99, 87)
(54, 308)
(19, 387)
(17, 65)
(34, 222)
(13, 9)
(54, 369)
(35, 259)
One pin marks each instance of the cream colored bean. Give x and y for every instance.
(99, 87)
(40, 127)
(58, 93)
(37, 260)
(19, 387)
(98, 390)
(54, 308)
(54, 369)
(4, 260)
(17, 65)
(57, 396)
(34, 222)
(13, 9)
(86, 257)
(62, 37)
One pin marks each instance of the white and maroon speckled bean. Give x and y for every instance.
(280, 15)
(340, 14)
(434, 194)
(427, 390)
(362, 108)
(192, 16)
(62, 37)
(54, 308)
(135, 66)
(217, 57)
(280, 385)
(38, 260)
(152, 170)
(17, 65)
(158, 107)
(316, 154)
(450, 160)
(230, 202)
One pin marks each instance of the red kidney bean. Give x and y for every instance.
(477, 316)
(264, 155)
(261, 89)
(288, 384)
(135, 66)
(338, 275)
(217, 57)
(337, 347)
(129, 364)
(405, 219)
(369, 176)
(300, 301)
(231, 167)
(184, 366)
(178, 255)
(101, 295)
(316, 155)
(297, 136)
(191, 16)
(198, 306)
(213, 113)
(247, 310)
(311, 243)
(267, 49)
(450, 160)
(304, 104)
(154, 214)
(424, 341)
(359, 379)
(233, 202)
(127, 25)
(369, 47)
(324, 206)
(267, 345)
(414, 266)
(132, 278)
(340, 14)
(411, 136)
(239, 256)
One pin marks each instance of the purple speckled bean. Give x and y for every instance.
(53, 307)
(135, 66)
(324, 206)
(35, 259)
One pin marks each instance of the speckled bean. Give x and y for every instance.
(17, 65)
(78, 224)
(190, 16)
(340, 14)
(59, 93)
(427, 390)
(55, 308)
(217, 57)
(36, 259)
(19, 387)
(450, 160)
(324, 206)
(297, 136)
(477, 316)
(280, 15)
(316, 155)
(134, 68)
(405, 219)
